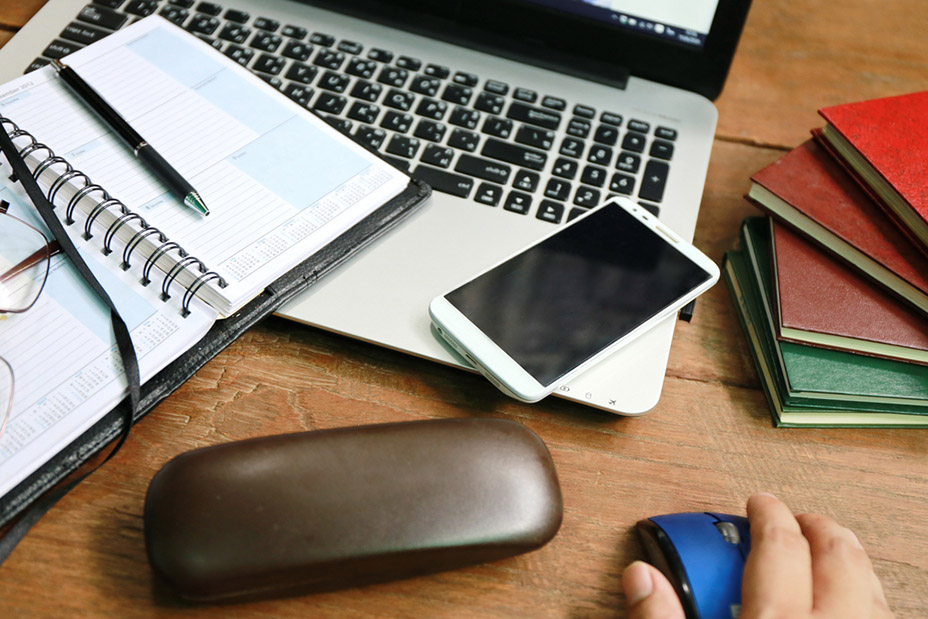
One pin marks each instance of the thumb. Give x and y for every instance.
(648, 593)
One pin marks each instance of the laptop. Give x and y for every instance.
(520, 114)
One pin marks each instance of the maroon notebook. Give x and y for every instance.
(823, 302)
(809, 190)
(885, 141)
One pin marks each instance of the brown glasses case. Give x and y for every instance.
(314, 511)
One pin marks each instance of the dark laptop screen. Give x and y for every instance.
(682, 22)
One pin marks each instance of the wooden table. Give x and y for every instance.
(707, 445)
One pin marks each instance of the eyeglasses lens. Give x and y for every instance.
(23, 264)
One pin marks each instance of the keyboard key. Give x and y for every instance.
(666, 133)
(575, 212)
(114, 4)
(236, 33)
(297, 50)
(455, 93)
(364, 112)
(500, 127)
(266, 63)
(464, 140)
(533, 136)
(425, 85)
(239, 17)
(511, 153)
(488, 194)
(396, 121)
(661, 149)
(555, 103)
(209, 8)
(350, 47)
(328, 58)
(142, 8)
(558, 189)
(59, 48)
(294, 32)
(526, 181)
(299, 93)
(403, 146)
(411, 64)
(465, 79)
(586, 197)
(393, 76)
(611, 119)
(372, 136)
(203, 24)
(330, 103)
(399, 99)
(335, 82)
(368, 91)
(430, 130)
(628, 162)
(622, 183)
(572, 147)
(181, 3)
(578, 128)
(438, 71)
(263, 23)
(518, 202)
(584, 111)
(437, 155)
(600, 154)
(361, 68)
(550, 211)
(273, 80)
(80, 33)
(174, 14)
(606, 134)
(638, 125)
(593, 175)
(633, 142)
(654, 180)
(524, 94)
(325, 40)
(430, 108)
(496, 87)
(268, 42)
(651, 208)
(380, 55)
(482, 168)
(402, 164)
(298, 72)
(241, 55)
(446, 182)
(534, 115)
(565, 168)
(489, 102)
(464, 117)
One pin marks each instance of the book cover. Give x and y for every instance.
(762, 346)
(822, 302)
(886, 142)
(809, 191)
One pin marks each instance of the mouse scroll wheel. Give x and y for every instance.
(729, 531)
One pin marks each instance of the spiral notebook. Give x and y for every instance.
(289, 196)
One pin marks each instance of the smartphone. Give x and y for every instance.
(540, 317)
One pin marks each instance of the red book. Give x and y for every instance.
(822, 302)
(808, 190)
(885, 142)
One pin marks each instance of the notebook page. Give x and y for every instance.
(279, 181)
(63, 353)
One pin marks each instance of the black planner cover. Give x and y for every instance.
(220, 335)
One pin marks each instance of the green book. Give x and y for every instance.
(772, 369)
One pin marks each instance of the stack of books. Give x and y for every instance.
(832, 287)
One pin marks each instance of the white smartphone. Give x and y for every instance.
(535, 320)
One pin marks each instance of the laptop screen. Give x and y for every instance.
(683, 22)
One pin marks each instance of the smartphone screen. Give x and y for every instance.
(569, 297)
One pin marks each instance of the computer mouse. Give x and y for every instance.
(702, 555)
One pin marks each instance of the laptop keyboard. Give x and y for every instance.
(498, 144)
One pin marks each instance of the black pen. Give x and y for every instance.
(143, 151)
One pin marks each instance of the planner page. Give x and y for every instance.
(280, 182)
(63, 353)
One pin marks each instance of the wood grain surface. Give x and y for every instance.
(708, 444)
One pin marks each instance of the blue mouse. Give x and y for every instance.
(702, 555)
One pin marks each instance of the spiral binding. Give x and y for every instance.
(86, 187)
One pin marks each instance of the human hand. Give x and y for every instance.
(805, 566)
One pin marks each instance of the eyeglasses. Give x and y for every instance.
(24, 260)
